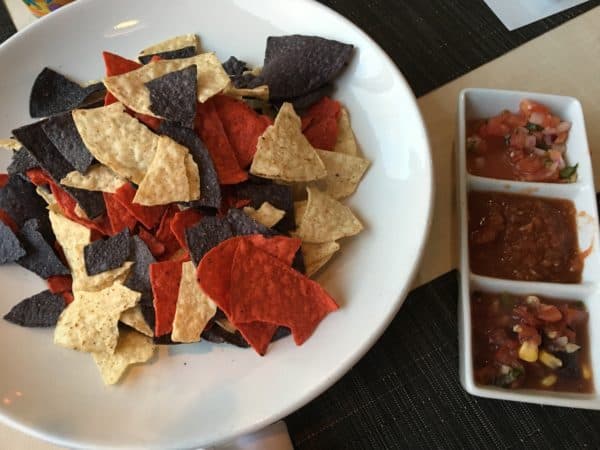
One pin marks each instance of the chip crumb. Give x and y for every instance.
(132, 348)
(10, 144)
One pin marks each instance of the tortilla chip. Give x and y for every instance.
(149, 216)
(206, 234)
(174, 43)
(11, 249)
(60, 283)
(107, 254)
(117, 140)
(129, 88)
(46, 195)
(10, 144)
(344, 172)
(299, 210)
(283, 152)
(259, 92)
(278, 195)
(166, 180)
(40, 257)
(62, 132)
(346, 142)
(267, 214)
(165, 277)
(90, 322)
(132, 348)
(22, 161)
(193, 176)
(320, 123)
(317, 255)
(194, 308)
(265, 289)
(40, 310)
(210, 128)
(134, 318)
(326, 219)
(182, 221)
(97, 178)
(173, 96)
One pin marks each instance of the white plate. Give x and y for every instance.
(480, 103)
(199, 394)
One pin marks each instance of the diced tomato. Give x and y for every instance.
(527, 333)
(496, 127)
(529, 106)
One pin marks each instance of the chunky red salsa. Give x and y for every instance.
(529, 145)
(530, 342)
(521, 237)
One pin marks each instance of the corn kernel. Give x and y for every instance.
(549, 380)
(528, 351)
(586, 372)
(549, 360)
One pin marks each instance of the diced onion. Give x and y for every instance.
(537, 118)
(530, 141)
(563, 126)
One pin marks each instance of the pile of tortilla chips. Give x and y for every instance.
(178, 200)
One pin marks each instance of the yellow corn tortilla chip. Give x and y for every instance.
(80, 212)
(226, 325)
(129, 88)
(299, 210)
(346, 142)
(117, 140)
(326, 219)
(283, 152)
(10, 144)
(194, 308)
(317, 255)
(68, 233)
(166, 180)
(174, 43)
(97, 178)
(260, 92)
(90, 322)
(267, 214)
(193, 176)
(132, 348)
(135, 319)
(344, 172)
(46, 195)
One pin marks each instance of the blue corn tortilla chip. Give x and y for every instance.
(40, 310)
(40, 257)
(139, 276)
(278, 195)
(219, 335)
(298, 262)
(22, 161)
(173, 96)
(10, 246)
(92, 202)
(234, 66)
(35, 140)
(307, 100)
(242, 224)
(185, 52)
(165, 339)
(19, 199)
(245, 80)
(107, 254)
(280, 333)
(62, 132)
(296, 65)
(53, 93)
(206, 234)
(210, 191)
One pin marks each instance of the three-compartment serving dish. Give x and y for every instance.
(529, 306)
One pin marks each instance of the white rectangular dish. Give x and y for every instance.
(482, 103)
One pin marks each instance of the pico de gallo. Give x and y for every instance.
(530, 342)
(529, 145)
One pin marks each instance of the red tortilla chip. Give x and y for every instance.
(214, 275)
(156, 247)
(182, 220)
(210, 129)
(60, 283)
(164, 278)
(8, 221)
(164, 233)
(118, 216)
(38, 176)
(68, 296)
(320, 123)
(3, 179)
(149, 216)
(242, 125)
(266, 289)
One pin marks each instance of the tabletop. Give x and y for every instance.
(405, 392)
